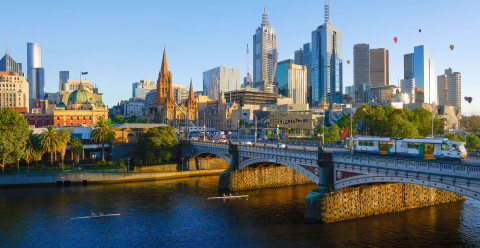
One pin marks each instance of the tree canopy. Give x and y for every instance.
(379, 120)
(155, 145)
(14, 134)
(331, 134)
(102, 132)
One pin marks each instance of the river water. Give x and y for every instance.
(176, 213)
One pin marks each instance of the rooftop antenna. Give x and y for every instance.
(265, 22)
(327, 10)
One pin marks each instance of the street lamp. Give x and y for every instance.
(18, 167)
(128, 163)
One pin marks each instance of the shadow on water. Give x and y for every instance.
(177, 212)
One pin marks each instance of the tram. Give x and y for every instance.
(411, 147)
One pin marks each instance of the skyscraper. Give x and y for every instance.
(141, 89)
(379, 72)
(298, 57)
(307, 48)
(264, 56)
(361, 71)
(424, 74)
(8, 64)
(63, 76)
(450, 89)
(326, 62)
(408, 66)
(282, 76)
(220, 79)
(35, 72)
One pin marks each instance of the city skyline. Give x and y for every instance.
(108, 69)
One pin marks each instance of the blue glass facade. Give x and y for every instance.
(408, 66)
(424, 73)
(307, 48)
(326, 62)
(282, 76)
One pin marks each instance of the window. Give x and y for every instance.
(390, 144)
(71, 118)
(370, 143)
(410, 145)
(417, 145)
(445, 147)
(454, 147)
(360, 142)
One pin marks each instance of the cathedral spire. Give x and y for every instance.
(191, 96)
(164, 69)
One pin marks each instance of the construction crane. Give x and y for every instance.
(248, 82)
(191, 123)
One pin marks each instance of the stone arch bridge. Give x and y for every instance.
(339, 170)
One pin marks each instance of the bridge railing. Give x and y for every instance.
(410, 163)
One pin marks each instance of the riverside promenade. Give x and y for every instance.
(66, 178)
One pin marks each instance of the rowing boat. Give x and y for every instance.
(227, 197)
(97, 216)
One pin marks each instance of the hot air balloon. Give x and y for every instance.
(348, 61)
(468, 99)
(395, 39)
(419, 30)
(451, 47)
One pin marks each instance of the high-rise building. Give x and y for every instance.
(326, 62)
(298, 57)
(13, 91)
(350, 90)
(408, 66)
(450, 89)
(35, 72)
(424, 74)
(407, 86)
(8, 64)
(264, 56)
(361, 71)
(180, 93)
(282, 76)
(220, 79)
(379, 72)
(307, 48)
(292, 81)
(63, 78)
(141, 89)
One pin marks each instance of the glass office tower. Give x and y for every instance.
(35, 72)
(424, 73)
(8, 64)
(220, 79)
(307, 48)
(282, 76)
(361, 71)
(326, 62)
(408, 66)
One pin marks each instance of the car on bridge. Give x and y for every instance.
(279, 145)
(246, 143)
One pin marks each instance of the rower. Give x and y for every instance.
(93, 214)
(231, 194)
(224, 195)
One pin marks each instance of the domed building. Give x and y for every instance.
(79, 108)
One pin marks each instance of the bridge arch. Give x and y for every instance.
(310, 174)
(459, 188)
(216, 153)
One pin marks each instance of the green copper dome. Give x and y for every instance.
(61, 105)
(81, 96)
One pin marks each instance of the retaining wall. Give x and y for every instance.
(265, 177)
(205, 164)
(365, 200)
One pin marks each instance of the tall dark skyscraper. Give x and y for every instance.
(361, 71)
(8, 64)
(63, 78)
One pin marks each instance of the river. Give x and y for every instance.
(176, 213)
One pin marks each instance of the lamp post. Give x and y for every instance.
(18, 167)
(182, 164)
(238, 129)
(62, 163)
(128, 163)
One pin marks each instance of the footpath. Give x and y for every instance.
(84, 177)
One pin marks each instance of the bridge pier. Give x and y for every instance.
(314, 202)
(224, 182)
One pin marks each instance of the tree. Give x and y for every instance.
(458, 137)
(333, 133)
(155, 145)
(14, 134)
(471, 123)
(118, 119)
(404, 128)
(344, 122)
(33, 148)
(244, 124)
(142, 120)
(64, 137)
(131, 119)
(76, 148)
(102, 132)
(50, 141)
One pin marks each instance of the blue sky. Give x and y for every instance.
(121, 42)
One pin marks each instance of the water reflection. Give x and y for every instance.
(177, 212)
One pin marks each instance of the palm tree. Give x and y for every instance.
(76, 148)
(102, 132)
(33, 149)
(64, 138)
(49, 141)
